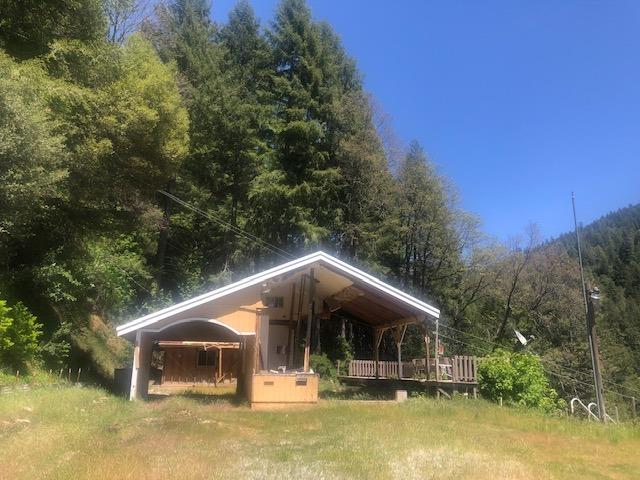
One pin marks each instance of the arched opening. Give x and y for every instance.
(196, 355)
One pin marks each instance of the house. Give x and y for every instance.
(258, 330)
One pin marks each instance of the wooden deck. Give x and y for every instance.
(455, 374)
(456, 369)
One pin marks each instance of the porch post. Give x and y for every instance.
(427, 365)
(377, 338)
(133, 391)
(307, 343)
(241, 378)
(398, 333)
(140, 367)
(291, 329)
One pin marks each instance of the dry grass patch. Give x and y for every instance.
(86, 433)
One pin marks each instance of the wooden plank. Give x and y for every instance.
(307, 343)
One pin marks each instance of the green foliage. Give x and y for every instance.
(5, 324)
(36, 377)
(55, 351)
(519, 379)
(266, 130)
(32, 155)
(113, 272)
(28, 27)
(322, 366)
(19, 335)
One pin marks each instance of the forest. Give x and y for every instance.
(151, 154)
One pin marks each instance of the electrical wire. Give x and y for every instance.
(546, 369)
(580, 372)
(238, 231)
(126, 274)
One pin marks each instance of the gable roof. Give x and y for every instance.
(320, 256)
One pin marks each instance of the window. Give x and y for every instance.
(275, 302)
(206, 358)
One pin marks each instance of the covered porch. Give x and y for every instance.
(261, 331)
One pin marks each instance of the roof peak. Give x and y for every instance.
(251, 280)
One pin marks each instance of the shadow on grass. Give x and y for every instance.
(370, 389)
(203, 398)
(354, 393)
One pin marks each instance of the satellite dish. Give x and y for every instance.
(522, 339)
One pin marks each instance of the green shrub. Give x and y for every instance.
(36, 377)
(322, 366)
(519, 379)
(19, 335)
(55, 352)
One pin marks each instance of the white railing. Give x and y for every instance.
(456, 369)
(367, 369)
(591, 410)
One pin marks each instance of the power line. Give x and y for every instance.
(581, 372)
(126, 274)
(238, 231)
(546, 369)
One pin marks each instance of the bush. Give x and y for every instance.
(55, 352)
(36, 378)
(322, 366)
(19, 335)
(519, 379)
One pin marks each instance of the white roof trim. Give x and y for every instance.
(198, 319)
(147, 320)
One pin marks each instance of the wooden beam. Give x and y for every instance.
(374, 309)
(366, 314)
(388, 302)
(345, 295)
(205, 344)
(133, 392)
(307, 343)
(296, 336)
(377, 339)
(398, 335)
(427, 366)
(291, 330)
(401, 323)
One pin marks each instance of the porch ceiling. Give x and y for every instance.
(369, 305)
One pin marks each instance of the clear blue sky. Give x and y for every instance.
(518, 103)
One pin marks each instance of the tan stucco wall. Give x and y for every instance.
(282, 388)
(238, 311)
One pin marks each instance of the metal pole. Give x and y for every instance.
(437, 353)
(595, 358)
(591, 324)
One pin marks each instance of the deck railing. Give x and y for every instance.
(464, 369)
(456, 369)
(367, 369)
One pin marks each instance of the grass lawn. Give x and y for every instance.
(87, 433)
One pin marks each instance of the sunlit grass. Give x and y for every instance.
(87, 433)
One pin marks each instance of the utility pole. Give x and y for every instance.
(589, 297)
(437, 353)
(595, 353)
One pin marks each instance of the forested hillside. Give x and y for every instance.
(611, 252)
(149, 156)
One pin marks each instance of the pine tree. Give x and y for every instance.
(29, 27)
(422, 244)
